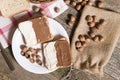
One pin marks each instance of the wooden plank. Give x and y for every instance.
(19, 73)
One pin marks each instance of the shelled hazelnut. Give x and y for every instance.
(94, 18)
(89, 3)
(93, 29)
(28, 52)
(36, 9)
(39, 61)
(67, 1)
(27, 55)
(57, 10)
(73, 3)
(32, 60)
(32, 50)
(78, 7)
(89, 18)
(101, 38)
(83, 3)
(84, 43)
(24, 48)
(81, 37)
(96, 39)
(100, 3)
(87, 39)
(91, 34)
(102, 21)
(78, 44)
(39, 50)
(38, 57)
(71, 23)
(99, 26)
(33, 56)
(22, 53)
(79, 1)
(91, 24)
(72, 18)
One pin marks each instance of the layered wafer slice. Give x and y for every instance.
(36, 31)
(57, 54)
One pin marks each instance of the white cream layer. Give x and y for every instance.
(50, 55)
(28, 33)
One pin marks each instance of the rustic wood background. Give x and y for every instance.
(112, 69)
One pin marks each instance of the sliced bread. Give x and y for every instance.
(10, 8)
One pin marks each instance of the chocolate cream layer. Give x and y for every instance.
(41, 28)
(63, 53)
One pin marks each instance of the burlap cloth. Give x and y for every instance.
(97, 54)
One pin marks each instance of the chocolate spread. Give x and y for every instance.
(41, 28)
(63, 53)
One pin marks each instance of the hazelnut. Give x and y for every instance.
(71, 23)
(32, 60)
(83, 3)
(67, 1)
(81, 37)
(84, 43)
(33, 56)
(31, 49)
(39, 61)
(101, 38)
(89, 3)
(27, 55)
(99, 26)
(73, 3)
(86, 0)
(91, 24)
(24, 48)
(89, 18)
(80, 49)
(28, 52)
(78, 7)
(57, 10)
(38, 57)
(78, 44)
(42, 12)
(72, 18)
(94, 18)
(39, 50)
(36, 9)
(100, 4)
(91, 0)
(91, 34)
(102, 21)
(79, 0)
(22, 53)
(96, 38)
(93, 29)
(87, 39)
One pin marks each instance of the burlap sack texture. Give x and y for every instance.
(97, 54)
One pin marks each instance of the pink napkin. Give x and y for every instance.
(8, 25)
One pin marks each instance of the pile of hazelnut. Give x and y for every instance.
(31, 54)
(78, 4)
(94, 26)
(42, 12)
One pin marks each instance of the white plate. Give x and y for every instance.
(17, 41)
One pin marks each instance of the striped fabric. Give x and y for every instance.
(8, 25)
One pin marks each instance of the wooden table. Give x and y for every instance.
(112, 69)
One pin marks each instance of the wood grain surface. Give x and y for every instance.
(112, 69)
